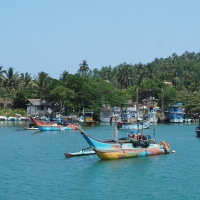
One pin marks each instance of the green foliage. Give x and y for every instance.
(90, 89)
(20, 99)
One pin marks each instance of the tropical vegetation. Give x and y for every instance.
(177, 76)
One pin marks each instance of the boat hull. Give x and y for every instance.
(88, 124)
(54, 128)
(176, 120)
(133, 126)
(126, 147)
(128, 153)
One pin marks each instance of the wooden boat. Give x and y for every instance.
(135, 145)
(88, 119)
(56, 127)
(40, 122)
(48, 126)
(82, 152)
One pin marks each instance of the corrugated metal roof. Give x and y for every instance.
(37, 102)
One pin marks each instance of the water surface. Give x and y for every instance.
(33, 166)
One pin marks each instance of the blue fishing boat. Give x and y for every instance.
(57, 127)
(135, 145)
(175, 113)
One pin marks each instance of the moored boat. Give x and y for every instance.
(48, 126)
(3, 118)
(88, 119)
(135, 145)
(110, 114)
(175, 113)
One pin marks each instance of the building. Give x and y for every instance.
(37, 107)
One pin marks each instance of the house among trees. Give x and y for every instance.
(37, 107)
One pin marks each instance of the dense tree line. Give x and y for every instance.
(90, 89)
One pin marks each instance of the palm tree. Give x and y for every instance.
(12, 79)
(42, 80)
(25, 79)
(2, 77)
(125, 75)
(64, 75)
(83, 68)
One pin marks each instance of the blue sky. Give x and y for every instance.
(56, 35)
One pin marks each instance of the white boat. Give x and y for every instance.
(110, 114)
(175, 113)
(3, 118)
(17, 117)
(152, 114)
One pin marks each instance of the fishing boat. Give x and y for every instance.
(110, 114)
(152, 114)
(49, 126)
(150, 105)
(55, 127)
(175, 113)
(130, 119)
(88, 119)
(134, 145)
(38, 122)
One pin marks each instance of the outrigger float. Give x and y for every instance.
(82, 152)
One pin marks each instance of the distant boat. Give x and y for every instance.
(81, 118)
(88, 119)
(3, 118)
(130, 119)
(17, 117)
(110, 114)
(175, 113)
(48, 126)
(152, 114)
(135, 145)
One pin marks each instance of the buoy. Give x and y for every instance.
(173, 151)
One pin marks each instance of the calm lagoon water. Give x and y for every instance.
(33, 166)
